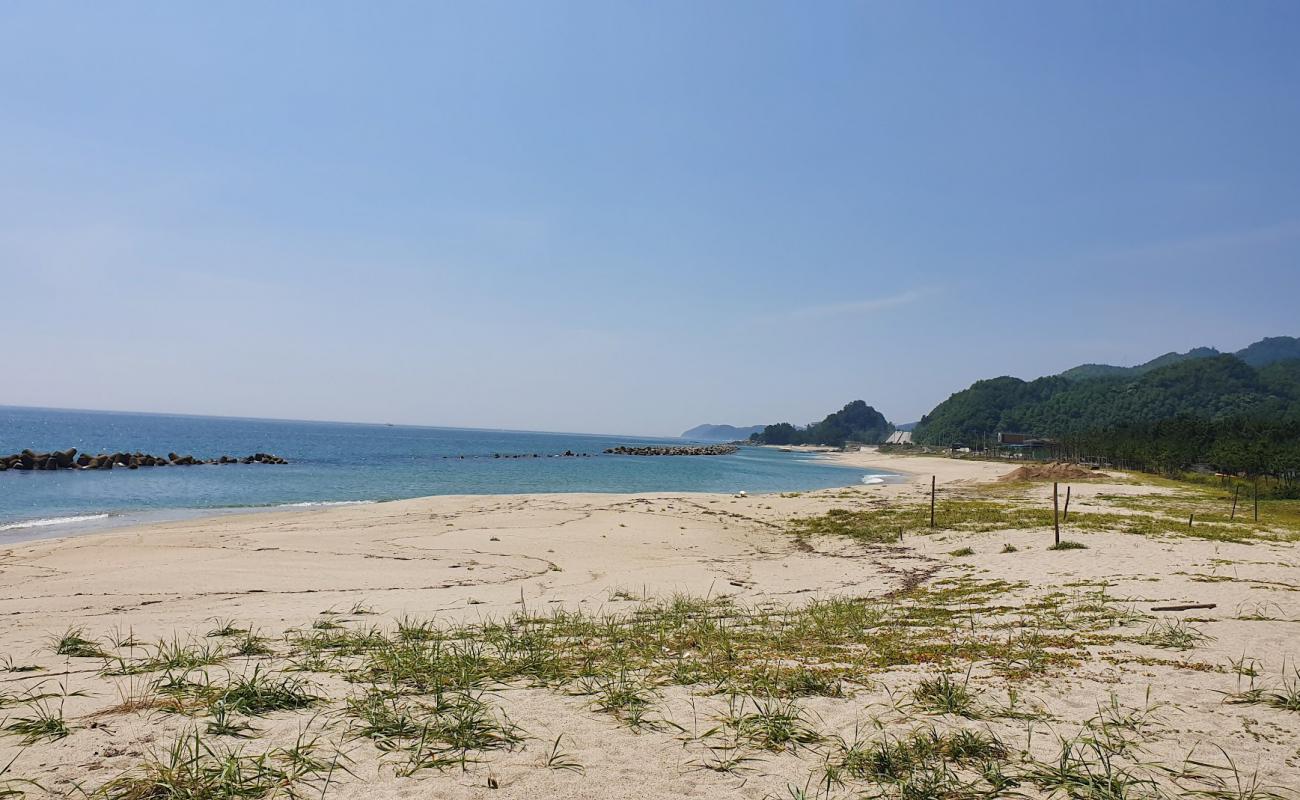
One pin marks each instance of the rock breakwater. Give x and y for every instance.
(674, 450)
(29, 460)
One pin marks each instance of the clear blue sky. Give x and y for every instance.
(621, 217)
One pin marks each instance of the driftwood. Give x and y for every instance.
(1187, 607)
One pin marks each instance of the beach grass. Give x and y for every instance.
(423, 693)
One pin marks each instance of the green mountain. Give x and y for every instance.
(1210, 387)
(856, 422)
(1085, 371)
(1237, 413)
(721, 433)
(1270, 351)
(1260, 354)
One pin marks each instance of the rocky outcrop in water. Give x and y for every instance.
(28, 460)
(674, 450)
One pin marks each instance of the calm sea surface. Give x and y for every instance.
(340, 463)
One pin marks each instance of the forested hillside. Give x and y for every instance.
(1217, 410)
(1214, 388)
(856, 422)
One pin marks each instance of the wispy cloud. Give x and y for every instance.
(858, 306)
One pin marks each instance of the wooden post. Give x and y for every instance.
(1056, 516)
(1235, 490)
(1065, 515)
(1257, 499)
(932, 479)
(1190, 517)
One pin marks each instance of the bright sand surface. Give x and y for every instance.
(471, 558)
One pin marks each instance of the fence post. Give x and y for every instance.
(932, 480)
(1056, 516)
(1236, 488)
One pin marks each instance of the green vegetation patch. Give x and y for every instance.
(197, 767)
(885, 525)
(1068, 544)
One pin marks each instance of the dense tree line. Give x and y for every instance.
(856, 422)
(1249, 446)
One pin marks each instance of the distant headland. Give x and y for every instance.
(721, 433)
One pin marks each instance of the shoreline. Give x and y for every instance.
(356, 512)
(202, 529)
(90, 522)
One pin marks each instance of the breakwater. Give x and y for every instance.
(69, 459)
(675, 450)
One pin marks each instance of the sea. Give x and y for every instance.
(336, 463)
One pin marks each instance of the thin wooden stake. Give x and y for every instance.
(932, 479)
(1235, 491)
(1190, 517)
(1056, 512)
(1065, 515)
(1184, 607)
(1257, 499)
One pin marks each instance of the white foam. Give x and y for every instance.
(48, 521)
(328, 503)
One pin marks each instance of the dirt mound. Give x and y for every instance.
(1056, 471)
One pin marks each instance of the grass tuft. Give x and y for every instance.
(74, 643)
(1068, 544)
(226, 628)
(195, 769)
(462, 728)
(1284, 698)
(1173, 635)
(44, 723)
(558, 759)
(943, 695)
(771, 723)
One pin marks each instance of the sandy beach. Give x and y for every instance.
(1164, 678)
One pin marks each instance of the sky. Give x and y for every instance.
(631, 217)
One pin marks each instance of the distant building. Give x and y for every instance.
(899, 437)
(1006, 439)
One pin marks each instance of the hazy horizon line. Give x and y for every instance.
(329, 421)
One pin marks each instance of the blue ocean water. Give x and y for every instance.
(341, 462)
